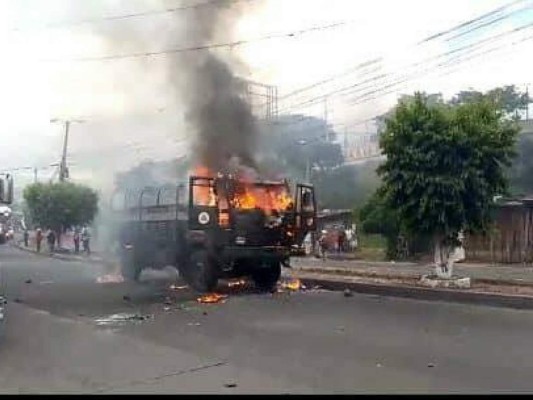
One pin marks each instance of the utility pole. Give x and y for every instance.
(34, 174)
(63, 168)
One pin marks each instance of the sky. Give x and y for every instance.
(128, 113)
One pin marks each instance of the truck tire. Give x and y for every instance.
(130, 266)
(201, 272)
(266, 278)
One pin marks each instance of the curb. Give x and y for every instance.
(421, 293)
(355, 273)
(58, 256)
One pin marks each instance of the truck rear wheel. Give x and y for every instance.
(201, 274)
(266, 278)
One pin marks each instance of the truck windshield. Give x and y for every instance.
(273, 197)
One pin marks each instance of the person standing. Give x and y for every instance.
(341, 239)
(38, 239)
(51, 238)
(76, 241)
(26, 237)
(86, 238)
(323, 245)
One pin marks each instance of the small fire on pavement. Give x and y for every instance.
(292, 284)
(212, 298)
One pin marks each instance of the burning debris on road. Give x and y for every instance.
(292, 284)
(212, 298)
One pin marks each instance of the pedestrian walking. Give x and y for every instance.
(51, 238)
(76, 241)
(86, 239)
(26, 238)
(38, 239)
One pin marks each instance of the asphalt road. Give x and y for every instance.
(304, 342)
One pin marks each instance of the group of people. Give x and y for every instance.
(339, 240)
(51, 238)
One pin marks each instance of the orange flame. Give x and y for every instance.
(204, 195)
(294, 284)
(211, 298)
(269, 198)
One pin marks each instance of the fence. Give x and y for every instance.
(511, 240)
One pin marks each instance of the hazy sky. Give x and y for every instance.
(129, 101)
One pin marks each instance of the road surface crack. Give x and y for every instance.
(160, 377)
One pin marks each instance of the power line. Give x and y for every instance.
(60, 24)
(205, 47)
(365, 98)
(357, 86)
(423, 41)
(451, 62)
(473, 56)
(473, 21)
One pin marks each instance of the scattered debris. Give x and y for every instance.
(166, 308)
(111, 278)
(378, 365)
(28, 281)
(46, 282)
(168, 301)
(212, 298)
(431, 365)
(204, 313)
(347, 293)
(126, 298)
(340, 328)
(236, 283)
(230, 384)
(193, 324)
(121, 318)
(174, 287)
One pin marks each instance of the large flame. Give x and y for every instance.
(204, 195)
(270, 198)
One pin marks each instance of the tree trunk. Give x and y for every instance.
(444, 258)
(58, 237)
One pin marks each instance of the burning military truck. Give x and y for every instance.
(216, 226)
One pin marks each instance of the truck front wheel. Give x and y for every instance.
(266, 278)
(201, 273)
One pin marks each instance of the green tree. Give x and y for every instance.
(60, 205)
(444, 166)
(507, 98)
(376, 217)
